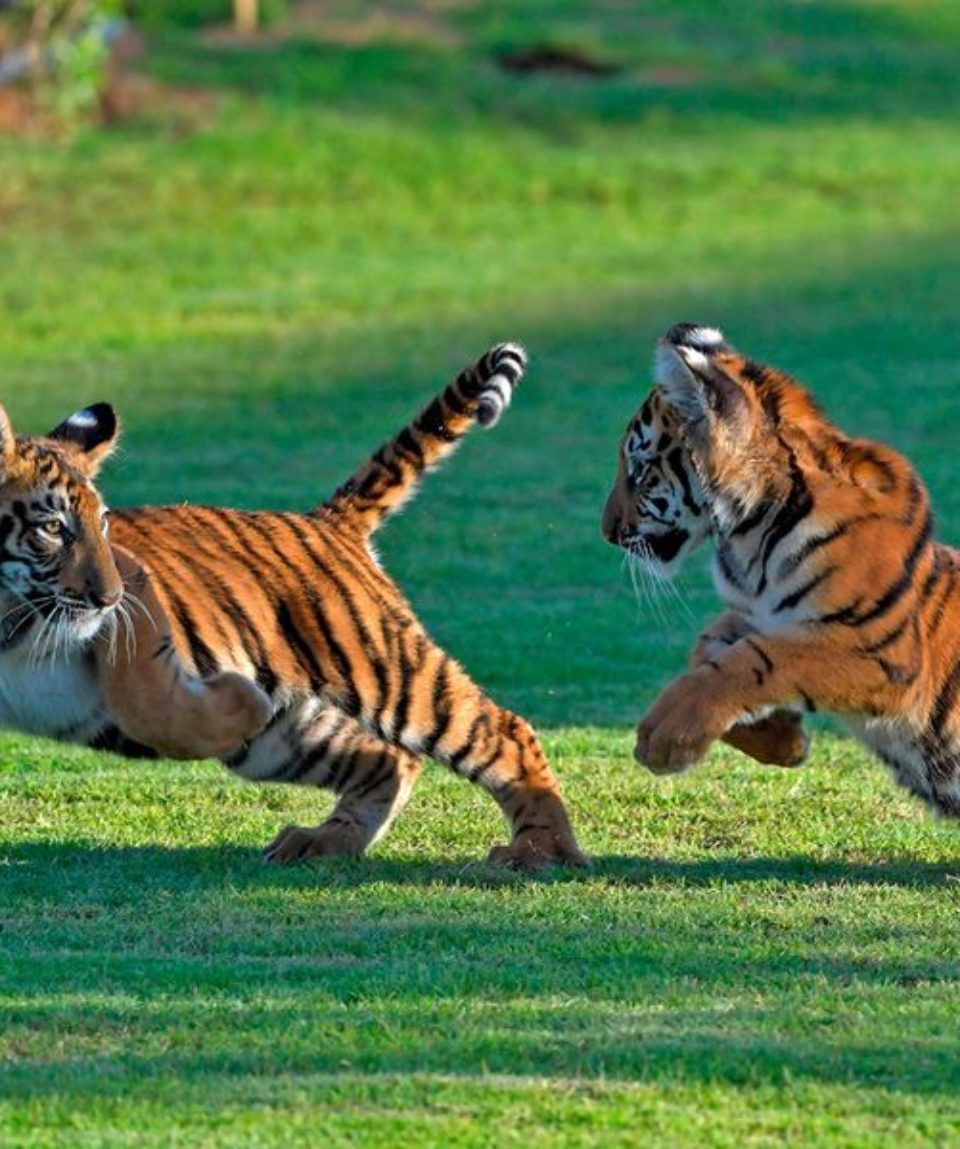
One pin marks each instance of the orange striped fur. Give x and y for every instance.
(360, 693)
(839, 597)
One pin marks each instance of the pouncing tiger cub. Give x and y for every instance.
(839, 596)
(657, 513)
(298, 603)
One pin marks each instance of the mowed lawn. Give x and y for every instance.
(267, 272)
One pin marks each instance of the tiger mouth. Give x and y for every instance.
(664, 547)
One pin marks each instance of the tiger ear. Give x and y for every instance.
(90, 434)
(8, 445)
(701, 391)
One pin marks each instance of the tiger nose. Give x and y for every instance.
(610, 524)
(102, 599)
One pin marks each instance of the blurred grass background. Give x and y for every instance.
(285, 247)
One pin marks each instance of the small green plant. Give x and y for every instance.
(60, 48)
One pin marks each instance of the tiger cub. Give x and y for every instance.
(657, 513)
(839, 596)
(61, 580)
(299, 604)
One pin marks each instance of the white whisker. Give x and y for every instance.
(138, 604)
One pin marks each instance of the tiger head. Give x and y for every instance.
(706, 452)
(57, 573)
(655, 509)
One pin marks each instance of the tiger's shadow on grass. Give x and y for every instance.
(246, 866)
(259, 960)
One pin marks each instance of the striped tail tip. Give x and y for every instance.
(507, 361)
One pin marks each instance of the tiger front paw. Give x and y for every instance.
(235, 710)
(676, 732)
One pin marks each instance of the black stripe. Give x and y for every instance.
(305, 653)
(304, 764)
(796, 507)
(888, 639)
(478, 769)
(456, 758)
(945, 703)
(306, 657)
(898, 675)
(347, 696)
(899, 588)
(203, 657)
(850, 615)
(380, 773)
(442, 707)
(344, 766)
(433, 421)
(764, 657)
(723, 562)
(247, 631)
(676, 460)
(754, 519)
(346, 595)
(797, 596)
(796, 558)
(410, 667)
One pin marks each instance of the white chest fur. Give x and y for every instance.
(59, 699)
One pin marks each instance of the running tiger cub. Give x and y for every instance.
(299, 604)
(839, 597)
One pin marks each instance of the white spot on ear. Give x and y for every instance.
(705, 339)
(693, 358)
(83, 419)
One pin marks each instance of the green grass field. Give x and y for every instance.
(267, 280)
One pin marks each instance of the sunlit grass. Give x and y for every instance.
(268, 288)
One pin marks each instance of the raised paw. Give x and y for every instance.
(676, 731)
(777, 740)
(503, 367)
(300, 843)
(235, 710)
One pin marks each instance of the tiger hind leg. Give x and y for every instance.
(372, 780)
(153, 697)
(407, 692)
(442, 713)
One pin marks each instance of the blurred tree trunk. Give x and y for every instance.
(245, 15)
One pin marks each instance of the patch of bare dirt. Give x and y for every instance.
(18, 115)
(354, 26)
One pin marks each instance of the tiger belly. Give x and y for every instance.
(56, 699)
(931, 775)
(275, 754)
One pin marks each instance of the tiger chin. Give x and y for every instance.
(289, 613)
(839, 597)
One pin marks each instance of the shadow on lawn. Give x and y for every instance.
(156, 865)
(203, 968)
